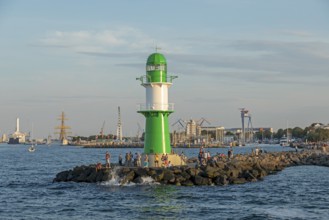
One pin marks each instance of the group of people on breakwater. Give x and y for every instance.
(131, 161)
(138, 160)
(204, 156)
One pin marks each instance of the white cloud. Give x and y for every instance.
(91, 41)
(262, 61)
(297, 33)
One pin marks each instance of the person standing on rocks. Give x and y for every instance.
(166, 160)
(146, 161)
(182, 158)
(196, 167)
(131, 159)
(200, 157)
(107, 158)
(156, 160)
(120, 159)
(139, 160)
(163, 160)
(126, 159)
(208, 156)
(136, 160)
(229, 152)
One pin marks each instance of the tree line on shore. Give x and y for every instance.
(315, 132)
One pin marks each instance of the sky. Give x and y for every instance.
(83, 57)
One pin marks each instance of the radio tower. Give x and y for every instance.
(62, 128)
(119, 126)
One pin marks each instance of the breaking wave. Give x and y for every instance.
(117, 181)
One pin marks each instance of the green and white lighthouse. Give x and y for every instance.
(156, 109)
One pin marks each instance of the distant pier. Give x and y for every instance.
(109, 144)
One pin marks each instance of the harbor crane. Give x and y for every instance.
(119, 126)
(180, 122)
(139, 130)
(196, 123)
(200, 121)
(245, 114)
(102, 130)
(250, 129)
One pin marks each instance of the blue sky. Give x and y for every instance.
(83, 57)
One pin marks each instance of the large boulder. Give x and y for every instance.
(199, 180)
(176, 170)
(123, 171)
(138, 180)
(91, 178)
(187, 183)
(62, 176)
(220, 164)
(179, 179)
(168, 176)
(239, 181)
(82, 174)
(185, 175)
(233, 173)
(193, 171)
(210, 172)
(158, 176)
(99, 176)
(129, 177)
(106, 175)
(221, 180)
(141, 171)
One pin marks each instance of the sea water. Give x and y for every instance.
(27, 190)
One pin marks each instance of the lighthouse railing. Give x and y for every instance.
(144, 79)
(155, 107)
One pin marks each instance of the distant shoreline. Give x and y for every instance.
(142, 146)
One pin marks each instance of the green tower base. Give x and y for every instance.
(156, 139)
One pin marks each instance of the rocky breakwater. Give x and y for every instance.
(240, 169)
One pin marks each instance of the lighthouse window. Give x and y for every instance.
(150, 68)
(160, 67)
(157, 67)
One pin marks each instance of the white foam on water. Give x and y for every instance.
(279, 212)
(111, 182)
(117, 181)
(114, 181)
(149, 181)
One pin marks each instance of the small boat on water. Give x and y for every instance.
(65, 142)
(32, 148)
(48, 140)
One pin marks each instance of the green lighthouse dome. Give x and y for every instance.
(156, 58)
(156, 68)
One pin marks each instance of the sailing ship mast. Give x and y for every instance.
(62, 128)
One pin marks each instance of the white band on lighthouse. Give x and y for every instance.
(157, 96)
